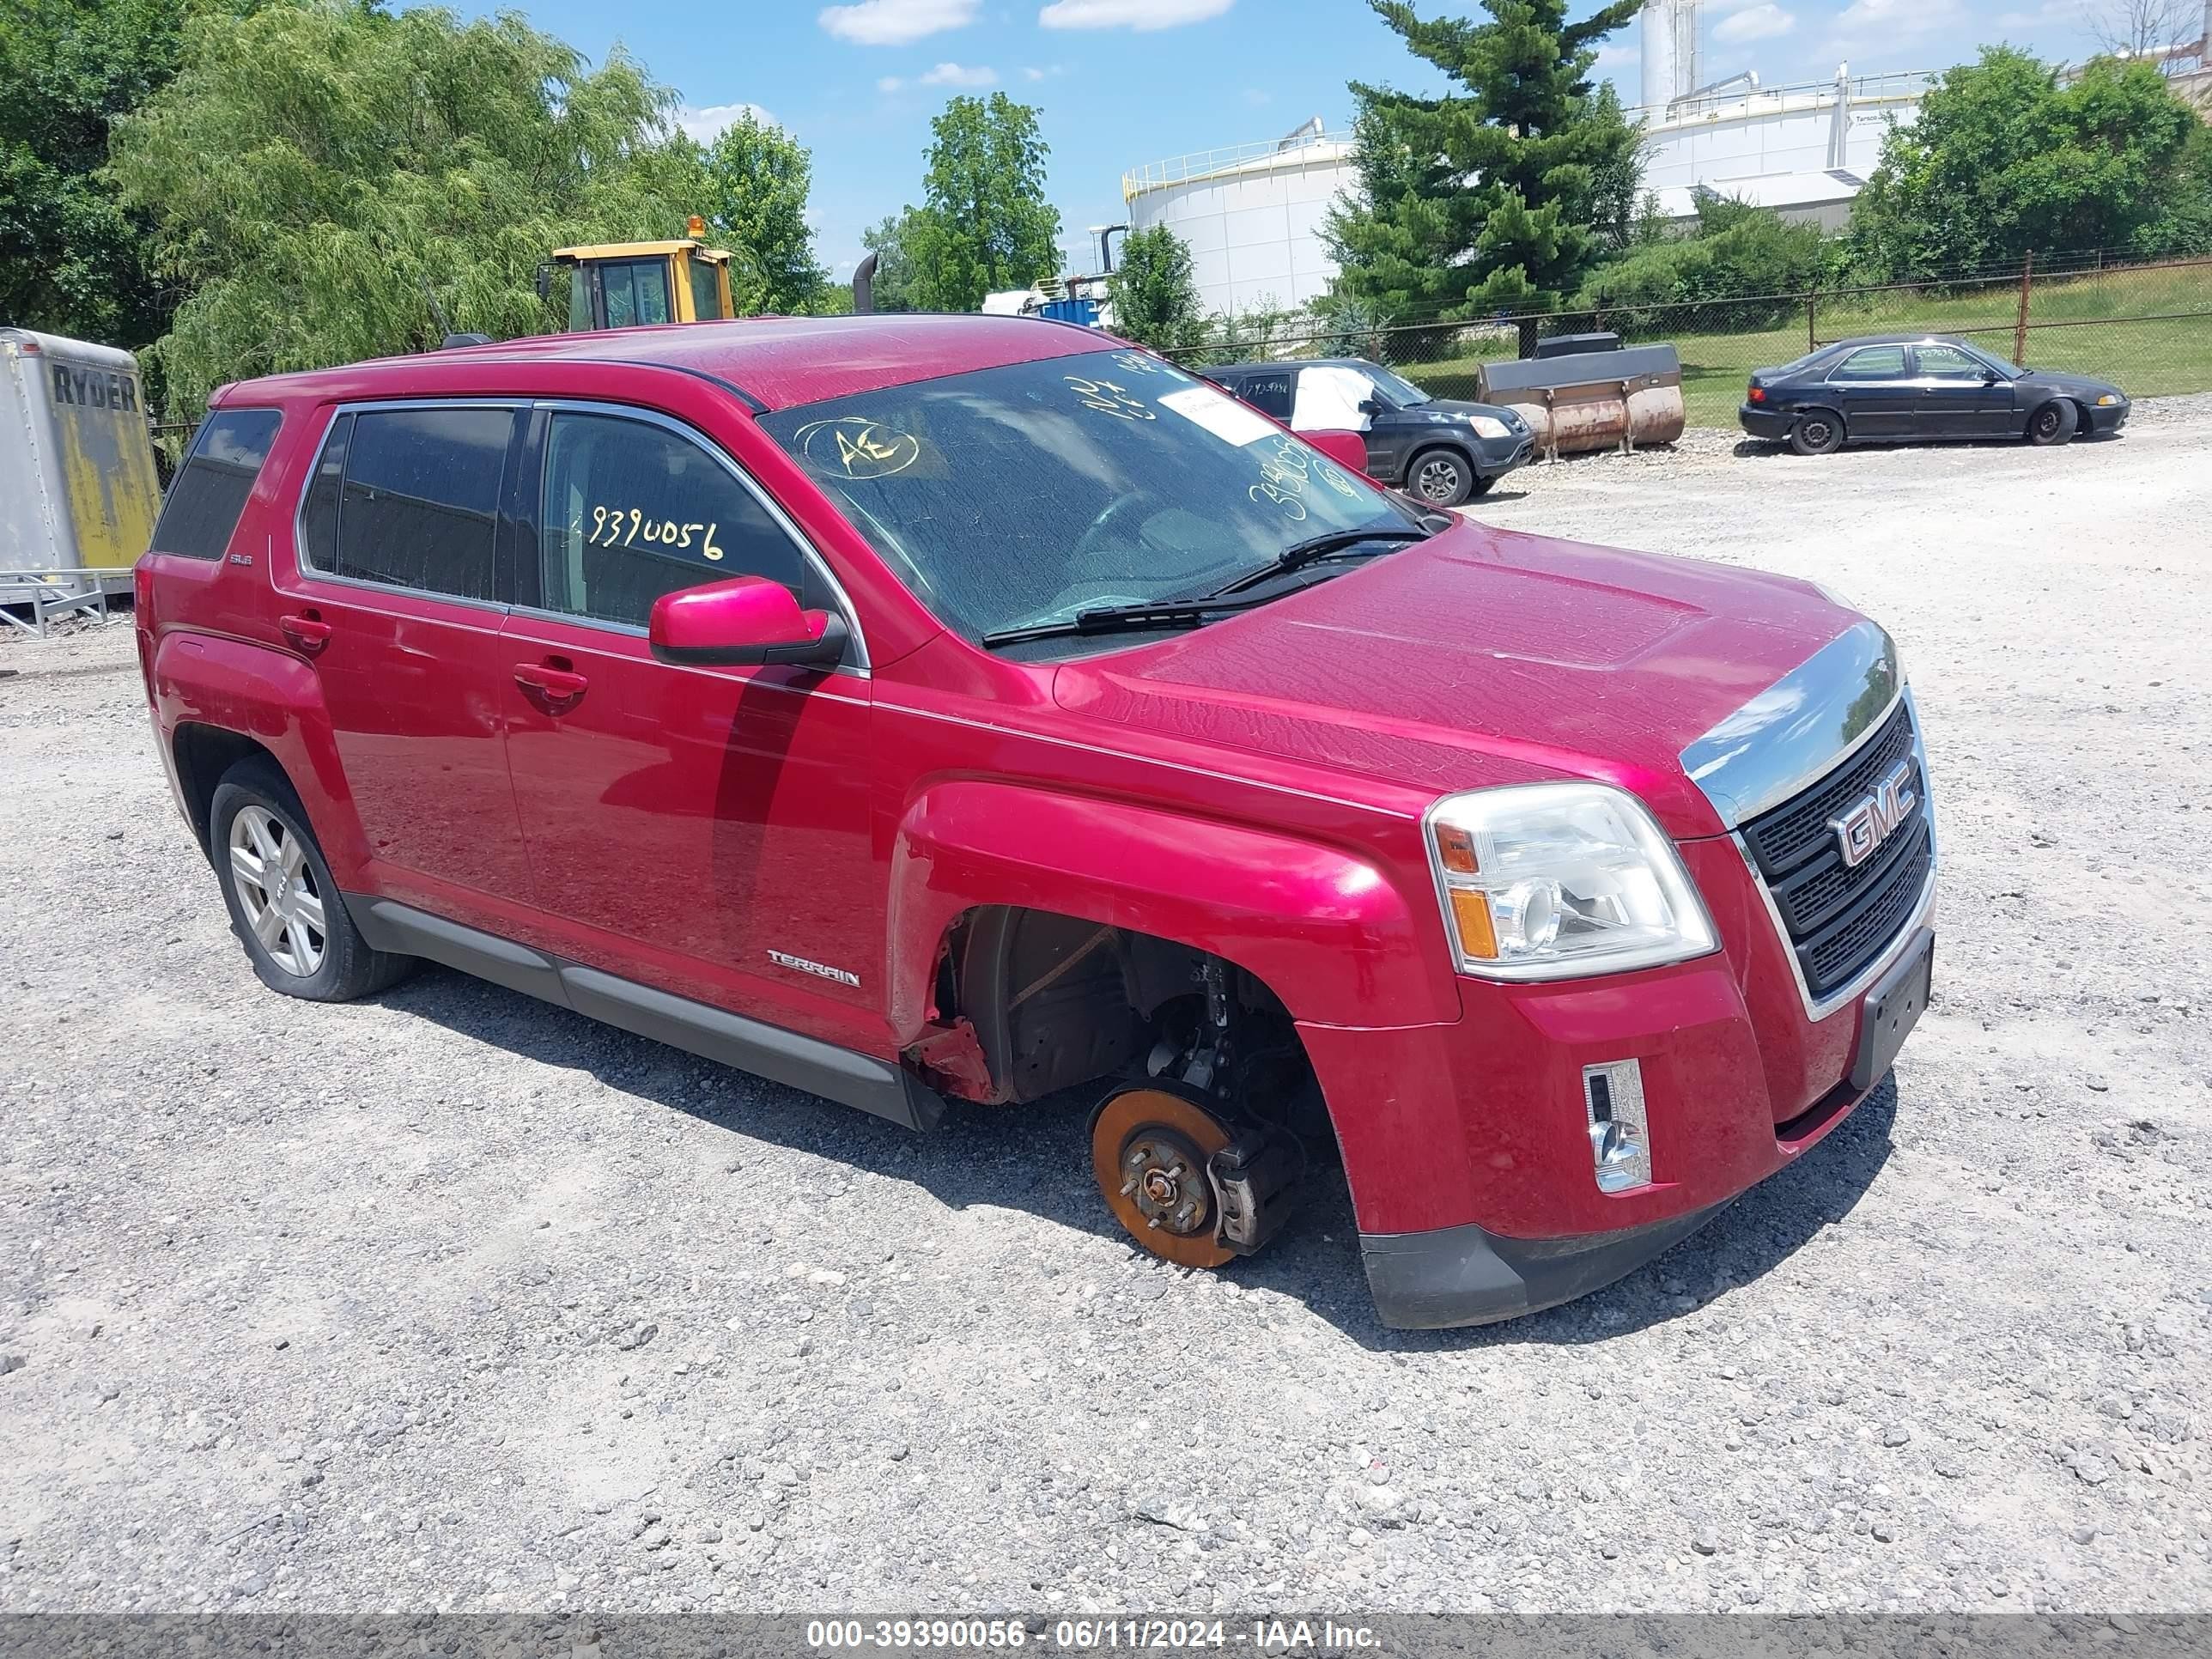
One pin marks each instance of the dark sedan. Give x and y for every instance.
(1911, 388)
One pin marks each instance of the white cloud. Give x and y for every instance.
(945, 75)
(1761, 22)
(1130, 13)
(957, 75)
(706, 123)
(1256, 96)
(1033, 73)
(896, 22)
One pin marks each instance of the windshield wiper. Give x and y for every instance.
(1124, 619)
(1298, 555)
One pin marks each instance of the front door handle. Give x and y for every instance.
(306, 630)
(556, 686)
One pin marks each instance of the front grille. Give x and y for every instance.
(1839, 917)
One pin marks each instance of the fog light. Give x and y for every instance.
(1620, 1142)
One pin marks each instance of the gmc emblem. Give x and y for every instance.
(1873, 818)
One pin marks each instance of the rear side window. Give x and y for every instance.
(410, 497)
(209, 494)
(1872, 363)
(706, 291)
(1270, 394)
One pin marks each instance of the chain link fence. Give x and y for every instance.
(2146, 327)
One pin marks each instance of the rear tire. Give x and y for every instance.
(2054, 423)
(284, 906)
(1439, 478)
(1817, 433)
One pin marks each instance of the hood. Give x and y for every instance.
(2073, 386)
(1460, 409)
(1480, 657)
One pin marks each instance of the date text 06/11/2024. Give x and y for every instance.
(1091, 1635)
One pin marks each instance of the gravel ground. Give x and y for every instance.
(451, 1300)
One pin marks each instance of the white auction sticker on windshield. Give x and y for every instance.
(1221, 415)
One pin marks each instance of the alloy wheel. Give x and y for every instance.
(276, 891)
(1437, 481)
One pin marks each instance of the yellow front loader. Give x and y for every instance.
(620, 284)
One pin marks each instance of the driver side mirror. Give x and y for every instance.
(1370, 407)
(1991, 377)
(746, 621)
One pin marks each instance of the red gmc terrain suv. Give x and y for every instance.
(913, 707)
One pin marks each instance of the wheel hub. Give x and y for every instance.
(1166, 1180)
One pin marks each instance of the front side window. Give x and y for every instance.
(1948, 362)
(633, 511)
(209, 493)
(1872, 363)
(636, 291)
(1019, 497)
(417, 499)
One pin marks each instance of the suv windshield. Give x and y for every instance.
(1403, 394)
(1016, 497)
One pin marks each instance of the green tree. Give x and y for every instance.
(1489, 199)
(327, 178)
(1155, 295)
(71, 259)
(2002, 160)
(984, 225)
(1736, 251)
(756, 179)
(894, 282)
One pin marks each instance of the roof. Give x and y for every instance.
(1908, 337)
(639, 250)
(775, 361)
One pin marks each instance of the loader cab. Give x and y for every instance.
(625, 284)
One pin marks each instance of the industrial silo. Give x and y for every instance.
(1251, 216)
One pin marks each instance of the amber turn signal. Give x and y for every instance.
(1471, 915)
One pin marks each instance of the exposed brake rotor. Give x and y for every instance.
(1149, 1150)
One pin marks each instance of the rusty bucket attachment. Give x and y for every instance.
(1586, 400)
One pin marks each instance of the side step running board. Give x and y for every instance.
(874, 1085)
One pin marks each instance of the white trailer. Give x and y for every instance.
(78, 492)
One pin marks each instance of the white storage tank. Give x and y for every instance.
(1251, 216)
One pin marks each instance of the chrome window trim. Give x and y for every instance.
(861, 664)
(1923, 907)
(303, 569)
(1783, 740)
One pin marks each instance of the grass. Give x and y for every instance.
(2147, 359)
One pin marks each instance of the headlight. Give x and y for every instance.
(1487, 427)
(2108, 399)
(1560, 880)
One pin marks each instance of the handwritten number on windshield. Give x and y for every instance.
(1109, 398)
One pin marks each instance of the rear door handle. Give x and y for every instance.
(307, 630)
(559, 685)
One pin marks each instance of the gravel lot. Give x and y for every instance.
(451, 1300)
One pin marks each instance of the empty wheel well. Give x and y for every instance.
(1028, 1002)
(203, 754)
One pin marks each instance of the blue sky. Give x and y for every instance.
(1120, 82)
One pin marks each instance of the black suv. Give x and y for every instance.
(1441, 451)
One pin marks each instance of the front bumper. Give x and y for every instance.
(2105, 419)
(1496, 456)
(1465, 1276)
